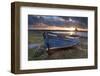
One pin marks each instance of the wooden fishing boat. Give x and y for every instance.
(57, 41)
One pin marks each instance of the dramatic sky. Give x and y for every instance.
(57, 20)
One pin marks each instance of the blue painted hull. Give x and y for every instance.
(55, 42)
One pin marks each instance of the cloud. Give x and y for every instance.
(53, 18)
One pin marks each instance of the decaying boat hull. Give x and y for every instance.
(53, 41)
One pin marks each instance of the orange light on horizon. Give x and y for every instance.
(58, 28)
(81, 29)
(70, 29)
